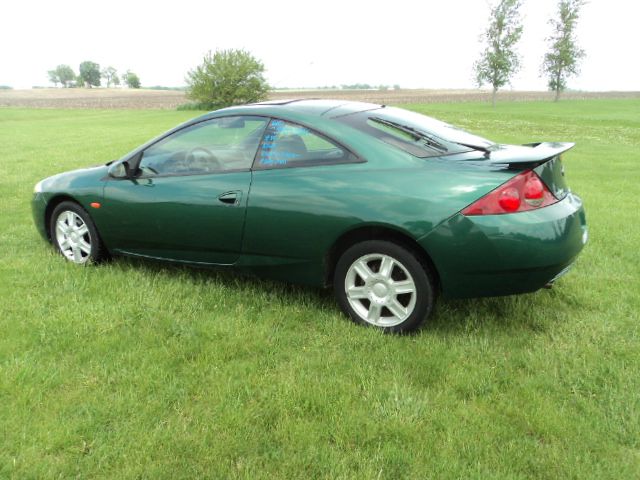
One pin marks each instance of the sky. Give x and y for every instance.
(416, 44)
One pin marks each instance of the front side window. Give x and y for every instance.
(213, 146)
(287, 144)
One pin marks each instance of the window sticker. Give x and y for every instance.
(274, 149)
(288, 144)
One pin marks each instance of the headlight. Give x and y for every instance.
(38, 187)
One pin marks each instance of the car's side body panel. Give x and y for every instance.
(295, 215)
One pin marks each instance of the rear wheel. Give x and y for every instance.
(382, 284)
(74, 234)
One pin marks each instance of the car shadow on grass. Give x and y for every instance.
(534, 312)
(537, 312)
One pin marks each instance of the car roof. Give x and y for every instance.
(314, 107)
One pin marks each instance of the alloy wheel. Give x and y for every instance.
(73, 237)
(380, 290)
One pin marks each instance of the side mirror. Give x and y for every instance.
(119, 170)
(126, 169)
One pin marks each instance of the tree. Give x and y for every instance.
(227, 77)
(62, 74)
(131, 80)
(110, 76)
(499, 60)
(66, 75)
(564, 55)
(89, 74)
(53, 77)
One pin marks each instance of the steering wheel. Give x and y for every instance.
(211, 158)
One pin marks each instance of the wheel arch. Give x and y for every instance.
(376, 232)
(51, 206)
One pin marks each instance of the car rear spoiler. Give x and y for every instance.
(528, 153)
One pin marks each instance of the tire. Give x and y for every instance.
(74, 234)
(382, 284)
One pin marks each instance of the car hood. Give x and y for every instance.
(79, 178)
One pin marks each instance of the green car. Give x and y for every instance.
(390, 207)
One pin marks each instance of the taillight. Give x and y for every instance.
(509, 199)
(534, 191)
(522, 193)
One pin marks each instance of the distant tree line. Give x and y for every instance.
(90, 75)
(500, 61)
(164, 87)
(366, 86)
(355, 86)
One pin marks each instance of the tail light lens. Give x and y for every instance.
(522, 193)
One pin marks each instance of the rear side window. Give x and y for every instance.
(404, 139)
(287, 144)
(414, 133)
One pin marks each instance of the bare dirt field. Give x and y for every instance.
(91, 98)
(440, 96)
(169, 99)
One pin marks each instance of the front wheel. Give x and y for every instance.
(74, 234)
(382, 284)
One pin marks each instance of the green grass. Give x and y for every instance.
(141, 370)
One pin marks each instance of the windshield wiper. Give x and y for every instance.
(473, 146)
(415, 133)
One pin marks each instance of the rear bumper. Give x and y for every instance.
(493, 255)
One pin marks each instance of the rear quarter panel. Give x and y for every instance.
(295, 215)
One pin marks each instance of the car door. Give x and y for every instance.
(188, 199)
(301, 191)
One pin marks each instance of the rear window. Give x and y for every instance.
(414, 133)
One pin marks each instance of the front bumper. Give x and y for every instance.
(492, 255)
(38, 209)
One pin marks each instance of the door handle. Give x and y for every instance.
(230, 198)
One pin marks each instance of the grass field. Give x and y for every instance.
(141, 370)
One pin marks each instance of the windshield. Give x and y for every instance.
(414, 133)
